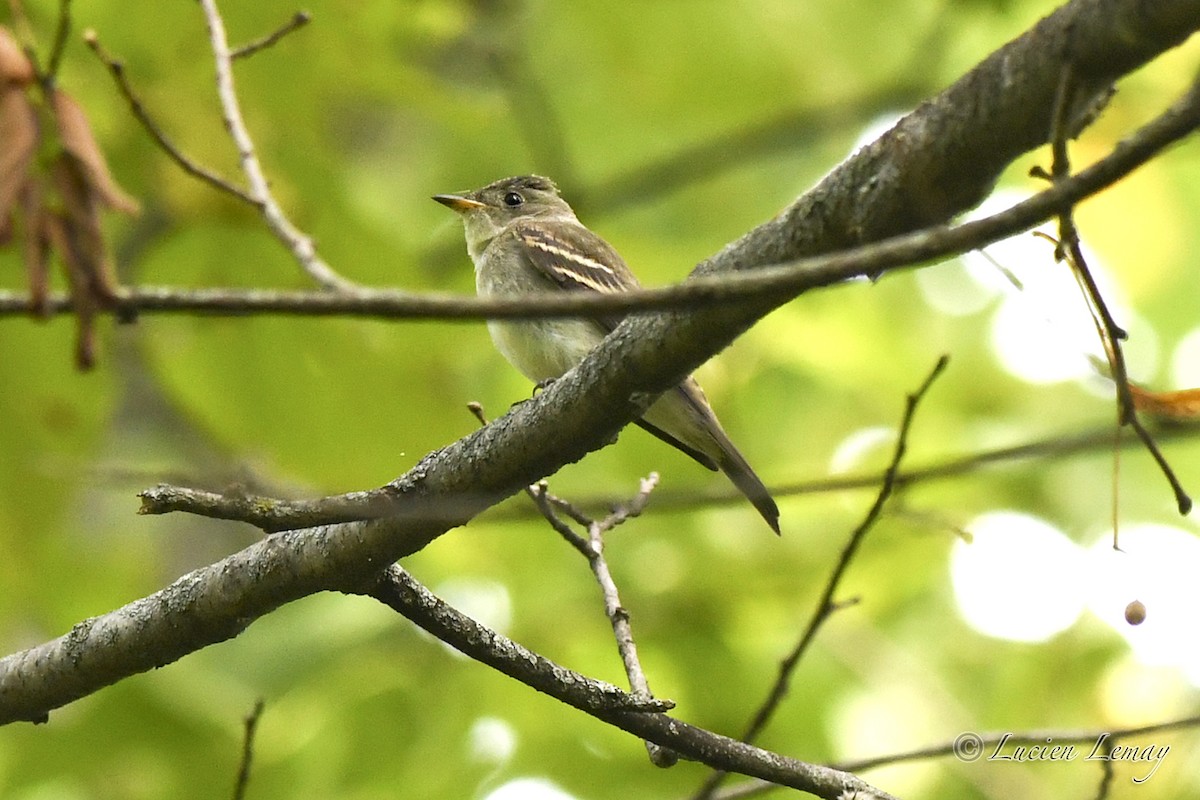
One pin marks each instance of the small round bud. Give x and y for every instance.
(1135, 612)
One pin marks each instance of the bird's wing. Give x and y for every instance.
(575, 259)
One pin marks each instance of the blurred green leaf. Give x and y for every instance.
(359, 118)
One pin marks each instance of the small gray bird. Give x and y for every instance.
(524, 238)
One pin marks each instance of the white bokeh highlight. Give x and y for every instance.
(491, 740)
(1022, 579)
(859, 447)
(1160, 566)
(1019, 578)
(1042, 331)
(529, 789)
(1185, 361)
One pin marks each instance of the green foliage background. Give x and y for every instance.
(359, 118)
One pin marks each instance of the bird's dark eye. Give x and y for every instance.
(513, 199)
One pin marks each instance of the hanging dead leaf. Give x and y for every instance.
(75, 134)
(59, 187)
(80, 282)
(37, 249)
(1181, 406)
(15, 67)
(18, 146)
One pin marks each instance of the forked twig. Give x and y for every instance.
(259, 193)
(1068, 249)
(61, 31)
(591, 547)
(298, 20)
(826, 605)
(300, 244)
(117, 69)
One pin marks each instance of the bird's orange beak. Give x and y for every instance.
(458, 203)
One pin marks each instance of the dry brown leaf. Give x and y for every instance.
(37, 249)
(15, 67)
(83, 299)
(84, 250)
(77, 139)
(18, 145)
(58, 203)
(1181, 406)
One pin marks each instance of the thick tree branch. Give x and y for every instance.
(1182, 118)
(776, 281)
(399, 591)
(939, 160)
(945, 157)
(272, 514)
(396, 589)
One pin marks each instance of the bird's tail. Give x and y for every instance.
(683, 418)
(734, 465)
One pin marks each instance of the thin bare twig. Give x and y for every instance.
(1068, 249)
(1107, 773)
(117, 69)
(826, 606)
(617, 615)
(799, 275)
(61, 32)
(300, 244)
(298, 20)
(1104, 739)
(592, 548)
(251, 728)
(1046, 448)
